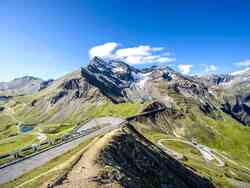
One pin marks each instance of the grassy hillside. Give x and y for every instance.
(59, 117)
(224, 134)
(51, 124)
(193, 115)
(216, 129)
(220, 176)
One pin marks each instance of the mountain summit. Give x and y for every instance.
(122, 82)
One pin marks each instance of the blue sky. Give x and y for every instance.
(48, 38)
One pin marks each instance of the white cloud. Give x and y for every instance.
(185, 68)
(134, 55)
(104, 50)
(135, 51)
(210, 68)
(243, 63)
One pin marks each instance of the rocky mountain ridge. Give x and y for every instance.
(234, 91)
(124, 158)
(23, 85)
(195, 108)
(122, 82)
(119, 82)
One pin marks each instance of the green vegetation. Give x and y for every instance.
(53, 131)
(8, 130)
(76, 113)
(44, 174)
(220, 176)
(110, 109)
(215, 129)
(89, 111)
(5, 120)
(16, 142)
(183, 148)
(56, 128)
(224, 134)
(2, 103)
(9, 135)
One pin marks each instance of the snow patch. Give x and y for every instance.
(141, 79)
(240, 71)
(118, 69)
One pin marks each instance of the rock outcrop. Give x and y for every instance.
(45, 84)
(58, 96)
(112, 78)
(238, 108)
(124, 158)
(216, 79)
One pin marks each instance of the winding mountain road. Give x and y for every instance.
(172, 153)
(205, 151)
(13, 171)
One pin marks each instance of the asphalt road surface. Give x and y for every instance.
(13, 171)
(205, 151)
(102, 122)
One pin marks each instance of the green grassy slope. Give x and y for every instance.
(58, 126)
(215, 129)
(220, 176)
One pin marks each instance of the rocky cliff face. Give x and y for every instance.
(72, 88)
(233, 93)
(239, 108)
(121, 82)
(45, 84)
(111, 77)
(216, 79)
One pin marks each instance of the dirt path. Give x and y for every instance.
(58, 167)
(82, 173)
(86, 171)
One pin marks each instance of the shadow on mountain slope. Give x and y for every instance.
(124, 158)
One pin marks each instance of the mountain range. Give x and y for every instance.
(211, 112)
